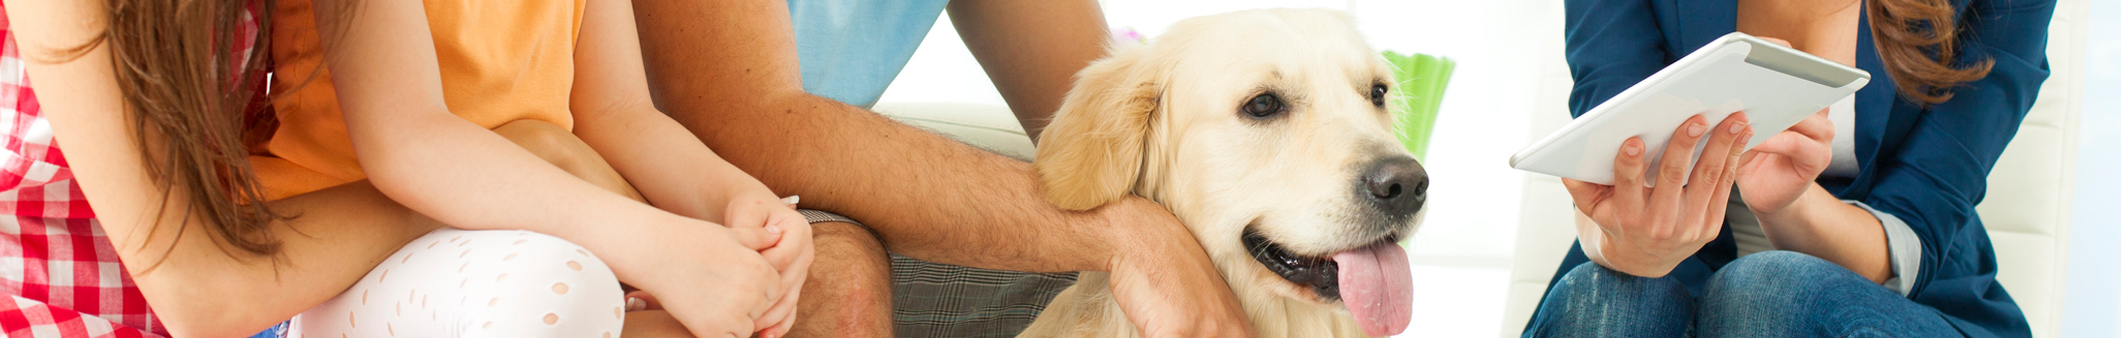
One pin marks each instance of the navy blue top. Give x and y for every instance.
(1926, 165)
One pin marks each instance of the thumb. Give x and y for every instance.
(1585, 194)
(756, 238)
(1784, 43)
(1785, 143)
(642, 300)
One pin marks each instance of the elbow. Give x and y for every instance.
(390, 172)
(402, 169)
(212, 330)
(222, 312)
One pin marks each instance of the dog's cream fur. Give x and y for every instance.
(1163, 121)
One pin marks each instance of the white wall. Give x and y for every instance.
(2093, 307)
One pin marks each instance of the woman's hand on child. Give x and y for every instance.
(1645, 231)
(1777, 172)
(790, 254)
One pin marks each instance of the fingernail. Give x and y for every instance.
(791, 199)
(1736, 127)
(1634, 150)
(773, 229)
(1695, 130)
(636, 304)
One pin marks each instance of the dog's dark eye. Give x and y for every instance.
(1377, 95)
(1263, 106)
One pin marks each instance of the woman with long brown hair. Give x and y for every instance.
(1858, 219)
(438, 169)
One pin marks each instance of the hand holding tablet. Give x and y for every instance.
(1775, 86)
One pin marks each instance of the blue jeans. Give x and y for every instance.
(1768, 294)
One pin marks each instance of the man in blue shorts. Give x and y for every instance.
(780, 88)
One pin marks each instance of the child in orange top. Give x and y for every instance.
(450, 115)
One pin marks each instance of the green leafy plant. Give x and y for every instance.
(1421, 80)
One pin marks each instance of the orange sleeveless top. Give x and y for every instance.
(501, 61)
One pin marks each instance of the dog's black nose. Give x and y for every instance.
(1397, 185)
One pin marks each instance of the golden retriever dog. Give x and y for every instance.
(1267, 133)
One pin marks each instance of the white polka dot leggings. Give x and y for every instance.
(457, 283)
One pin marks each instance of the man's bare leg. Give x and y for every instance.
(849, 290)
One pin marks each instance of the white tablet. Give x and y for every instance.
(1774, 85)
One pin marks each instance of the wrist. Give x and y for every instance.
(1786, 206)
(717, 204)
(622, 243)
(1602, 248)
(1635, 262)
(1805, 202)
(1136, 232)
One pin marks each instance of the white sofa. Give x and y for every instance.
(2027, 208)
(986, 126)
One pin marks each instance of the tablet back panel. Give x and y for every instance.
(1775, 86)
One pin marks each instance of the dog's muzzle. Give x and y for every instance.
(1318, 273)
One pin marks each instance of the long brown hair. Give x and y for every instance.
(188, 86)
(1917, 40)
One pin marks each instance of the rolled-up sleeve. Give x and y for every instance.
(1902, 246)
(1933, 180)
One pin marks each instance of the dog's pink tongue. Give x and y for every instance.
(1376, 286)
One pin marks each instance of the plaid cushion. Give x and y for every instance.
(61, 276)
(931, 299)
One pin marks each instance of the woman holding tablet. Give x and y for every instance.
(1859, 219)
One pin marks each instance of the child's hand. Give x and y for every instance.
(791, 255)
(712, 279)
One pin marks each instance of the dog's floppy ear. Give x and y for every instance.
(1091, 154)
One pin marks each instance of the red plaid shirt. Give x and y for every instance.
(59, 274)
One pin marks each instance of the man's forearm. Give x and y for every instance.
(734, 81)
(928, 197)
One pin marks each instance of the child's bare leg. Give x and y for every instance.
(654, 324)
(557, 145)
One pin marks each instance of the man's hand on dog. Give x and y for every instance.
(1164, 281)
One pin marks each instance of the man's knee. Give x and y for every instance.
(851, 235)
(848, 293)
(849, 257)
